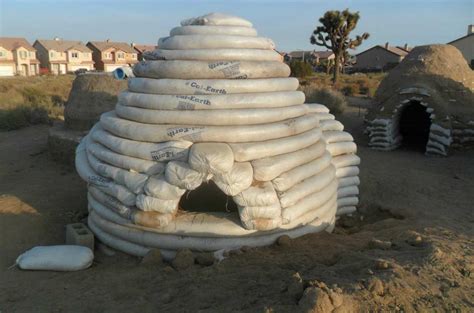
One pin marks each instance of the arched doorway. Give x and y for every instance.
(207, 198)
(415, 126)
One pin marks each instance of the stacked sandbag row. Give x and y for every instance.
(214, 102)
(383, 134)
(343, 150)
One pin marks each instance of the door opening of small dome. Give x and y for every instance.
(207, 198)
(415, 126)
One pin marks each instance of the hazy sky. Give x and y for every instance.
(289, 23)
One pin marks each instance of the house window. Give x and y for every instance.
(134, 55)
(23, 54)
(2, 54)
(85, 55)
(74, 55)
(120, 55)
(51, 54)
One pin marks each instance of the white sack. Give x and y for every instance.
(104, 184)
(309, 203)
(159, 152)
(212, 102)
(262, 224)
(288, 179)
(158, 187)
(267, 169)
(347, 201)
(348, 181)
(212, 158)
(338, 148)
(217, 19)
(332, 136)
(306, 187)
(210, 86)
(259, 195)
(346, 210)
(132, 180)
(152, 219)
(331, 125)
(317, 108)
(213, 30)
(147, 203)
(345, 160)
(125, 162)
(110, 202)
(206, 70)
(347, 171)
(324, 116)
(189, 42)
(210, 117)
(181, 175)
(215, 54)
(272, 211)
(56, 258)
(243, 133)
(239, 178)
(262, 149)
(347, 191)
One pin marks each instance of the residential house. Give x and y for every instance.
(300, 55)
(17, 57)
(323, 56)
(108, 55)
(380, 58)
(465, 44)
(140, 49)
(63, 56)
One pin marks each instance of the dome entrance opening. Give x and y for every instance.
(415, 126)
(207, 198)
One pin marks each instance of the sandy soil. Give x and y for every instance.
(422, 206)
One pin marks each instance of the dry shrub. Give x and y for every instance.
(333, 99)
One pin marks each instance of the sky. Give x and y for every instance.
(289, 23)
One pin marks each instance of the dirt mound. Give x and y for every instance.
(90, 96)
(441, 72)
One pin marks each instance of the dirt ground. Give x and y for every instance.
(422, 206)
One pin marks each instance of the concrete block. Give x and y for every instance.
(79, 234)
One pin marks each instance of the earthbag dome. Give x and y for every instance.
(427, 99)
(212, 106)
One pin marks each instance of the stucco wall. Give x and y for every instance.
(466, 46)
(376, 58)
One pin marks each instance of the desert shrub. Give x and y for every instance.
(350, 90)
(22, 116)
(300, 69)
(333, 99)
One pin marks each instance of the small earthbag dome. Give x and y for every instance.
(214, 111)
(427, 100)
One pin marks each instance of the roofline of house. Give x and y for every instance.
(382, 47)
(461, 38)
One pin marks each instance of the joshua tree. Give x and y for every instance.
(334, 35)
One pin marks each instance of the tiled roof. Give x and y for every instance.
(143, 48)
(104, 45)
(63, 45)
(395, 50)
(12, 43)
(323, 54)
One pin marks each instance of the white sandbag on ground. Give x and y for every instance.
(267, 169)
(327, 125)
(308, 186)
(190, 42)
(181, 175)
(332, 136)
(210, 86)
(213, 30)
(132, 180)
(309, 203)
(230, 134)
(217, 19)
(104, 184)
(159, 152)
(212, 158)
(212, 102)
(262, 149)
(347, 201)
(290, 178)
(348, 181)
(210, 117)
(239, 178)
(211, 70)
(317, 108)
(215, 54)
(345, 160)
(147, 203)
(56, 258)
(158, 187)
(339, 148)
(258, 195)
(346, 210)
(125, 162)
(347, 171)
(347, 191)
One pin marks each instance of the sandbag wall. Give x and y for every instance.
(214, 102)
(343, 150)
